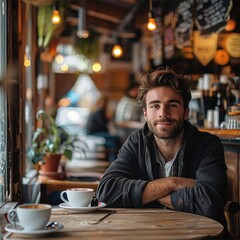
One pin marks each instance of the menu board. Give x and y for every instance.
(212, 15)
(184, 25)
(156, 46)
(168, 36)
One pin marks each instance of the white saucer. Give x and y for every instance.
(20, 231)
(83, 209)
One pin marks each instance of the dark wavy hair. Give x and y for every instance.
(168, 78)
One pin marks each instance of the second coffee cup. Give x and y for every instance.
(77, 197)
(31, 216)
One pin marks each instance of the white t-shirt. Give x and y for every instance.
(168, 166)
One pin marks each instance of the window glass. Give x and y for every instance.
(3, 115)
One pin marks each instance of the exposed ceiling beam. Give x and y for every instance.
(127, 18)
(111, 17)
(103, 16)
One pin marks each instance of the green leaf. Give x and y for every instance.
(68, 154)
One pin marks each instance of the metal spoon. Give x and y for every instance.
(52, 225)
(96, 221)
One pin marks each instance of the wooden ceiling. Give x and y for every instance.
(116, 18)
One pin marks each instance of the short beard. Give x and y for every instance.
(171, 135)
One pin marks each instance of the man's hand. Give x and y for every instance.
(160, 188)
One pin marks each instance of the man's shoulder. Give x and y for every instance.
(206, 138)
(202, 137)
(205, 134)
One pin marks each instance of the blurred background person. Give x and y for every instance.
(98, 124)
(127, 108)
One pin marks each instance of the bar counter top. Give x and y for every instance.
(230, 134)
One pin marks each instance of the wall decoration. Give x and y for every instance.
(156, 46)
(184, 25)
(233, 44)
(222, 57)
(212, 15)
(187, 52)
(204, 47)
(168, 36)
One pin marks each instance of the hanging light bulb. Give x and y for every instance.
(151, 25)
(55, 14)
(81, 31)
(117, 51)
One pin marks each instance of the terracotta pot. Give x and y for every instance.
(51, 162)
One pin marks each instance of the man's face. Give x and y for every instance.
(165, 113)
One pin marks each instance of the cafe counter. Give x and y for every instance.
(230, 139)
(224, 134)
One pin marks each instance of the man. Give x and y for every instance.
(168, 163)
(127, 108)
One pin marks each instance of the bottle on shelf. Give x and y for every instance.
(224, 89)
(220, 110)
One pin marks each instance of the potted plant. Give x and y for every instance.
(50, 143)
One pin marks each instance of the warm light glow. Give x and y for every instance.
(117, 51)
(64, 67)
(96, 67)
(27, 62)
(231, 25)
(55, 17)
(59, 58)
(83, 34)
(151, 25)
(64, 102)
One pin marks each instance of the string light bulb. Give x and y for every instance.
(117, 51)
(59, 59)
(151, 25)
(55, 19)
(27, 60)
(96, 67)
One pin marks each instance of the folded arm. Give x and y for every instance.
(161, 188)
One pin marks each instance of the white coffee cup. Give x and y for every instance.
(31, 216)
(78, 197)
(207, 81)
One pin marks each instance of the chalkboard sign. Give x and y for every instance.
(212, 15)
(168, 36)
(184, 25)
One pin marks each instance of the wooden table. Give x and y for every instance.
(77, 166)
(133, 224)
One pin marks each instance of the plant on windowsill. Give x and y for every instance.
(50, 143)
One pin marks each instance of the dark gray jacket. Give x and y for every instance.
(202, 156)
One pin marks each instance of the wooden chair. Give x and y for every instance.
(230, 210)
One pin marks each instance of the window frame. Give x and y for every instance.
(3, 104)
(11, 100)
